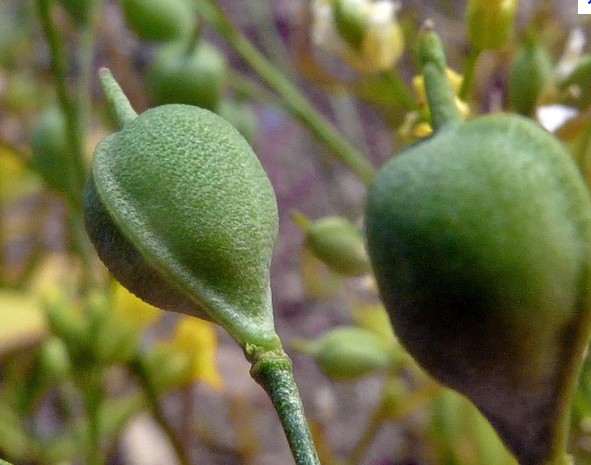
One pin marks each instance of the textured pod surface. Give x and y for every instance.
(192, 212)
(480, 243)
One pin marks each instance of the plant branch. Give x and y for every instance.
(273, 371)
(293, 100)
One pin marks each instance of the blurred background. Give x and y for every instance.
(90, 374)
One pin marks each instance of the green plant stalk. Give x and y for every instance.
(469, 71)
(400, 89)
(86, 53)
(440, 95)
(89, 383)
(74, 169)
(138, 368)
(273, 371)
(297, 104)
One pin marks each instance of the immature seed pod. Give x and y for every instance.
(480, 240)
(490, 22)
(49, 146)
(183, 215)
(529, 75)
(159, 20)
(195, 77)
(337, 242)
(347, 353)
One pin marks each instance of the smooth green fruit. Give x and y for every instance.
(529, 75)
(159, 20)
(194, 77)
(336, 242)
(348, 353)
(480, 240)
(182, 213)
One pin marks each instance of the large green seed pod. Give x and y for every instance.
(480, 240)
(182, 213)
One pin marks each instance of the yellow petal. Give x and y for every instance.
(198, 339)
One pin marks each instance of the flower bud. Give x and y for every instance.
(490, 22)
(364, 33)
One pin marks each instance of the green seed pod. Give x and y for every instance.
(50, 149)
(490, 22)
(337, 242)
(348, 352)
(480, 241)
(195, 77)
(159, 20)
(529, 75)
(183, 215)
(577, 86)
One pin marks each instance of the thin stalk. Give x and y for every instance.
(89, 383)
(86, 55)
(157, 412)
(273, 371)
(440, 95)
(373, 426)
(297, 104)
(400, 89)
(74, 169)
(469, 71)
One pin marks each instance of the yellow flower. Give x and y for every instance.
(196, 341)
(134, 311)
(455, 79)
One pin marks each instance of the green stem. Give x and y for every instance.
(440, 95)
(89, 383)
(373, 426)
(400, 90)
(116, 99)
(74, 169)
(297, 104)
(138, 367)
(469, 71)
(273, 371)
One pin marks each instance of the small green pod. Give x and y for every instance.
(348, 353)
(350, 22)
(182, 213)
(336, 242)
(49, 146)
(194, 77)
(491, 23)
(159, 20)
(530, 74)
